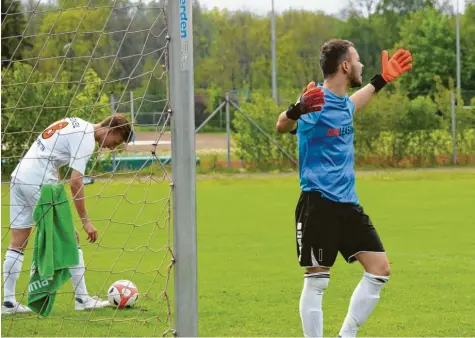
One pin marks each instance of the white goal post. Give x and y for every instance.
(184, 166)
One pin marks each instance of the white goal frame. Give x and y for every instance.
(183, 166)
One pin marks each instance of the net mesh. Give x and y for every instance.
(92, 59)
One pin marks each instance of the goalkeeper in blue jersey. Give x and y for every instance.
(328, 217)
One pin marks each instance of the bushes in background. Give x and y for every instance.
(394, 130)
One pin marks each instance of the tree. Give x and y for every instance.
(13, 26)
(70, 40)
(404, 7)
(431, 43)
(467, 49)
(300, 37)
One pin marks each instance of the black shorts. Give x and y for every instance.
(324, 228)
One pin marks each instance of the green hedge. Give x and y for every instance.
(394, 130)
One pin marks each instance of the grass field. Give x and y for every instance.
(249, 281)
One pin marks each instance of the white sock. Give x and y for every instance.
(363, 301)
(11, 272)
(311, 312)
(78, 279)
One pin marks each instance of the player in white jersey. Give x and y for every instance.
(71, 142)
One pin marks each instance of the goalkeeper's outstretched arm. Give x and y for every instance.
(391, 69)
(362, 97)
(284, 124)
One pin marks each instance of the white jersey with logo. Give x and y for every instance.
(66, 142)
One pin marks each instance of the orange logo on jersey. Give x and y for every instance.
(51, 130)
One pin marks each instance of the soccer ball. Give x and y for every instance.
(123, 293)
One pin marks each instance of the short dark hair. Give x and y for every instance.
(332, 53)
(119, 125)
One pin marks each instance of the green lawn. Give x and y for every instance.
(249, 281)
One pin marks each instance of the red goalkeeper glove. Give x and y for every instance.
(393, 68)
(311, 100)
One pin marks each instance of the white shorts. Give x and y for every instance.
(23, 199)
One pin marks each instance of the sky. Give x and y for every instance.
(263, 6)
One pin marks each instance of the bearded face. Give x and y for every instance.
(354, 69)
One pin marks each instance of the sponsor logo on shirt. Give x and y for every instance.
(346, 130)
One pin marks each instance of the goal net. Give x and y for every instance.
(91, 59)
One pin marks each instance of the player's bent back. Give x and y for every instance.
(66, 142)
